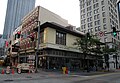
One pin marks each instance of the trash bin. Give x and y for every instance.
(64, 70)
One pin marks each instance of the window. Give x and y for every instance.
(104, 26)
(82, 6)
(88, 3)
(82, 21)
(95, 1)
(91, 30)
(103, 8)
(83, 11)
(97, 16)
(60, 38)
(99, 28)
(96, 11)
(105, 39)
(104, 20)
(42, 37)
(89, 8)
(97, 22)
(96, 5)
(89, 19)
(103, 14)
(96, 28)
(89, 13)
(82, 16)
(90, 24)
(102, 2)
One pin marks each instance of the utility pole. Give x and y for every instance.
(37, 51)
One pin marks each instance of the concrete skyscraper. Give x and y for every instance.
(118, 4)
(16, 10)
(98, 17)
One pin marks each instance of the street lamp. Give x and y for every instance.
(36, 54)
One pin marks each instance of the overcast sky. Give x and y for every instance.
(67, 9)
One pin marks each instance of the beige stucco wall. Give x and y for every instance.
(48, 16)
(49, 35)
(70, 39)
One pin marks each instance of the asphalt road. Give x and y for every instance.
(56, 78)
(45, 77)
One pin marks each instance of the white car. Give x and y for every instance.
(23, 67)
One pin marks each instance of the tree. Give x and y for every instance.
(106, 52)
(87, 45)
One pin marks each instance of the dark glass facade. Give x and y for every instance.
(16, 10)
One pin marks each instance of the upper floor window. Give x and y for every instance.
(89, 13)
(103, 14)
(104, 20)
(42, 37)
(102, 2)
(96, 11)
(96, 5)
(103, 8)
(60, 38)
(95, 1)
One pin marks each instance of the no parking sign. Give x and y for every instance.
(101, 33)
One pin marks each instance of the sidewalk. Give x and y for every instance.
(81, 73)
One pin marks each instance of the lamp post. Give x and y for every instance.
(36, 65)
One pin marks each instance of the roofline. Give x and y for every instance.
(59, 27)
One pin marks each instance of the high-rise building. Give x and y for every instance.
(98, 17)
(16, 10)
(118, 4)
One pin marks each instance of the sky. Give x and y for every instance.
(67, 9)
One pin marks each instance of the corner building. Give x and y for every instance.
(56, 47)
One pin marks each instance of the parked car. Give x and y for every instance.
(23, 67)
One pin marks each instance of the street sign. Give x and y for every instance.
(101, 33)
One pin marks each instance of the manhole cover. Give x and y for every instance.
(8, 80)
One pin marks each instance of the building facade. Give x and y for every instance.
(29, 23)
(16, 10)
(118, 4)
(56, 47)
(98, 17)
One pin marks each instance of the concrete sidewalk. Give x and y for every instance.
(81, 73)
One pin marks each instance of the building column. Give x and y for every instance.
(48, 63)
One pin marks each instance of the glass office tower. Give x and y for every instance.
(16, 10)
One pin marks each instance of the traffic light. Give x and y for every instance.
(88, 35)
(114, 32)
(6, 43)
(18, 34)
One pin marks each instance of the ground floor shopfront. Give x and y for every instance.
(73, 60)
(71, 63)
(56, 59)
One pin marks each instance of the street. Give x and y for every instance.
(50, 77)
